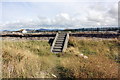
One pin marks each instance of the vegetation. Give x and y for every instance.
(84, 58)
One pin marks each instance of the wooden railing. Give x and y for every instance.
(66, 42)
(54, 42)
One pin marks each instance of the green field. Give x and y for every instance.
(86, 58)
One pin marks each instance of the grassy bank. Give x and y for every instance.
(83, 59)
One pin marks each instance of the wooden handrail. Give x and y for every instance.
(66, 42)
(54, 42)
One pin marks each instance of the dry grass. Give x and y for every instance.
(102, 61)
(33, 59)
(27, 59)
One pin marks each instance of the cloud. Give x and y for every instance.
(90, 16)
(102, 15)
(64, 16)
(113, 12)
(62, 19)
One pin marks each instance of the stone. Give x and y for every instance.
(85, 57)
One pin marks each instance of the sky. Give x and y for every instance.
(59, 14)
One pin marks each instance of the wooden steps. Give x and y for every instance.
(60, 42)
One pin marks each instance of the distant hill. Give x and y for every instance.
(73, 30)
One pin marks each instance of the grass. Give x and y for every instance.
(27, 59)
(33, 59)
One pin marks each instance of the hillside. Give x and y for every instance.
(84, 58)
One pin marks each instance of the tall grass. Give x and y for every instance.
(33, 59)
(27, 59)
(102, 61)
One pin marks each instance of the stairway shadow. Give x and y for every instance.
(50, 41)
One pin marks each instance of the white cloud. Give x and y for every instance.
(92, 15)
(113, 12)
(64, 16)
(62, 19)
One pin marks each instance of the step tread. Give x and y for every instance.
(57, 47)
(57, 50)
(59, 42)
(60, 38)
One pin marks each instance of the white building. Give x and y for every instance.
(24, 31)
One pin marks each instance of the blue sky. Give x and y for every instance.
(76, 14)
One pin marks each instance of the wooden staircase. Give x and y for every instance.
(60, 42)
